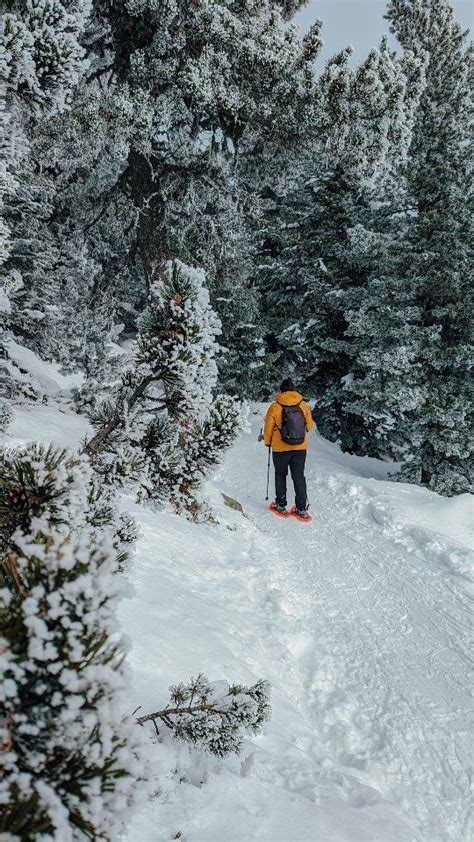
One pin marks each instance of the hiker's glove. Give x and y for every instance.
(260, 437)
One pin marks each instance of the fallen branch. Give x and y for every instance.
(167, 712)
(214, 717)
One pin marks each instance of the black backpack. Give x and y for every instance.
(293, 424)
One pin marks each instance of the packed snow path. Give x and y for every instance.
(361, 622)
(380, 642)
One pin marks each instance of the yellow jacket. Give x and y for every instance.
(271, 430)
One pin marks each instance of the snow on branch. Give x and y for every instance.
(164, 426)
(69, 758)
(214, 716)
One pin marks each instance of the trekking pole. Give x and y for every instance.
(268, 471)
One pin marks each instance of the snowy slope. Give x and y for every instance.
(360, 621)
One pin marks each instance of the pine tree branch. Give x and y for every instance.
(117, 419)
(11, 566)
(107, 196)
(167, 712)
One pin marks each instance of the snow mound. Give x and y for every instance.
(28, 368)
(420, 521)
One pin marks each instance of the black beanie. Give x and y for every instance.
(287, 385)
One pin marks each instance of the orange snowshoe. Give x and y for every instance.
(303, 518)
(276, 511)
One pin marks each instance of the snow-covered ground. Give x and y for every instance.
(361, 621)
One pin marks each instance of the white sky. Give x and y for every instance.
(360, 23)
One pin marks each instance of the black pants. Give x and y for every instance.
(294, 460)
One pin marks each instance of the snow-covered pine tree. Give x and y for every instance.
(382, 327)
(204, 115)
(43, 61)
(434, 262)
(35, 259)
(313, 260)
(70, 762)
(381, 315)
(184, 441)
(160, 152)
(165, 426)
(84, 154)
(214, 716)
(202, 442)
(410, 324)
(281, 270)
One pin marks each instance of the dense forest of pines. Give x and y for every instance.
(325, 209)
(193, 208)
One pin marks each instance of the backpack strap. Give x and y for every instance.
(276, 425)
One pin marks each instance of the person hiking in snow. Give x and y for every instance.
(287, 424)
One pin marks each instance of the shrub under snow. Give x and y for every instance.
(71, 761)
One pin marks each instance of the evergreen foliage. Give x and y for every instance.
(318, 249)
(141, 152)
(43, 62)
(41, 44)
(6, 416)
(165, 426)
(69, 758)
(437, 256)
(214, 716)
(329, 213)
(194, 142)
(364, 266)
(408, 324)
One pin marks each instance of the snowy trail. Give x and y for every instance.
(359, 620)
(380, 641)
